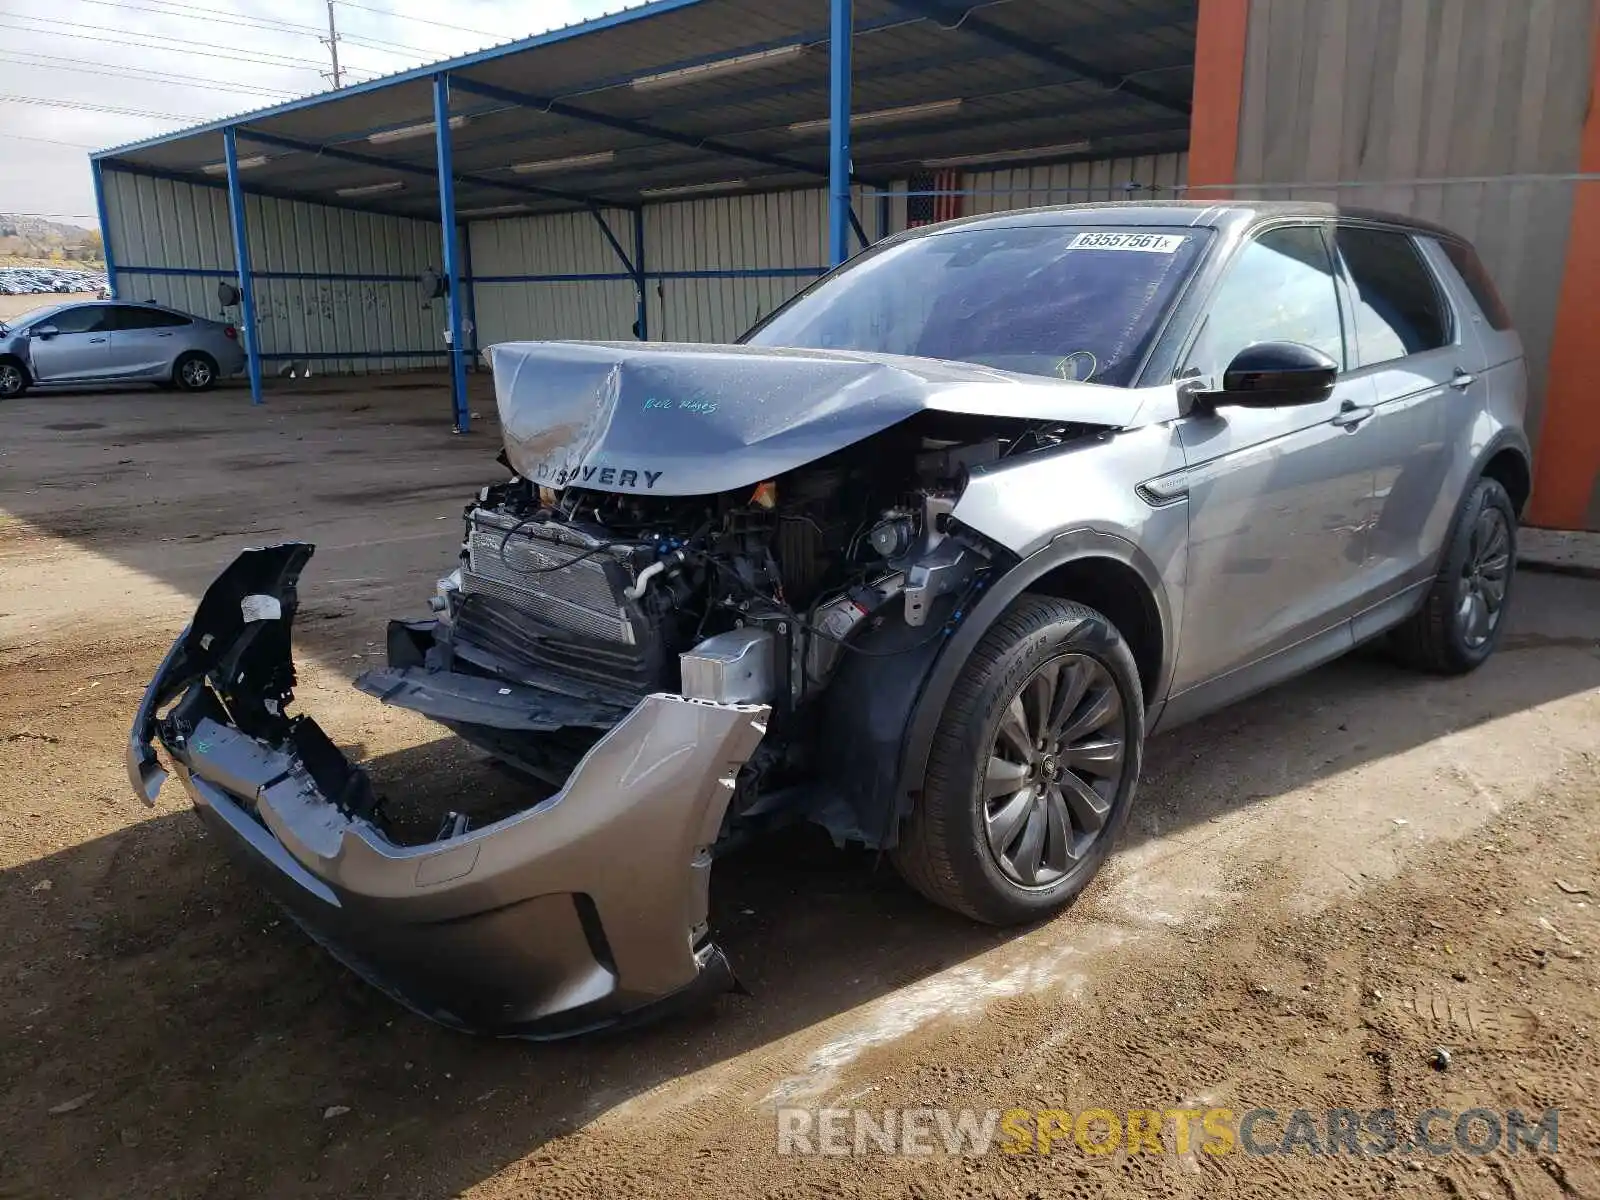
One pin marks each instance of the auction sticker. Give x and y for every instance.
(1147, 243)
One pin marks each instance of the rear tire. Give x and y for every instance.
(1462, 620)
(1033, 769)
(14, 379)
(195, 372)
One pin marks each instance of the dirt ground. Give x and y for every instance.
(1319, 888)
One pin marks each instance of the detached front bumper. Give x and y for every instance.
(582, 911)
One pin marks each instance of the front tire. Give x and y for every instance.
(13, 379)
(1462, 620)
(195, 372)
(1033, 769)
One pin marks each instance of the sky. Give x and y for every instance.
(165, 64)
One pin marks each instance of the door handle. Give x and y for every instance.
(1351, 414)
(1462, 380)
(95, 341)
(163, 335)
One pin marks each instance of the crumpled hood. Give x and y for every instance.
(682, 420)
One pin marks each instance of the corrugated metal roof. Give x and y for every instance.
(980, 79)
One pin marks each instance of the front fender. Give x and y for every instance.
(1069, 547)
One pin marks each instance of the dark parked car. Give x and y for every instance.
(923, 560)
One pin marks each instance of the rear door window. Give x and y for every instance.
(131, 317)
(1399, 309)
(1479, 282)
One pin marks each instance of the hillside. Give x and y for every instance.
(37, 240)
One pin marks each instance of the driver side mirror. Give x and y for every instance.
(1274, 375)
(44, 331)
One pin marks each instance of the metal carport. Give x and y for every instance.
(320, 208)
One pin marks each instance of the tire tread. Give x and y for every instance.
(923, 855)
(1426, 641)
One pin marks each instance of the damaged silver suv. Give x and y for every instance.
(922, 560)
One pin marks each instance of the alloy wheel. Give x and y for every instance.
(10, 379)
(1055, 766)
(1481, 595)
(196, 374)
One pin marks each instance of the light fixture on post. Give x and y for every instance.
(692, 189)
(371, 189)
(572, 162)
(1005, 156)
(496, 210)
(883, 116)
(406, 132)
(719, 67)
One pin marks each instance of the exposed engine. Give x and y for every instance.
(749, 596)
(606, 592)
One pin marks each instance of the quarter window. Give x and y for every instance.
(1280, 288)
(1398, 308)
(1476, 276)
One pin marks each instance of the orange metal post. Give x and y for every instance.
(1566, 486)
(1218, 91)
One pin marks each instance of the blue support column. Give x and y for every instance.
(105, 226)
(638, 272)
(465, 234)
(452, 266)
(839, 133)
(241, 262)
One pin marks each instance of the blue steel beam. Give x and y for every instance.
(839, 131)
(855, 223)
(251, 189)
(1101, 144)
(600, 220)
(645, 129)
(405, 168)
(967, 21)
(105, 226)
(1111, 26)
(241, 260)
(452, 266)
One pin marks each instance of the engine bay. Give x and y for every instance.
(590, 600)
(804, 562)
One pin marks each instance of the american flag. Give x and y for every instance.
(927, 210)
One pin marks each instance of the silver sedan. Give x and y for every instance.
(82, 345)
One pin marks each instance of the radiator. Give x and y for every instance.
(581, 596)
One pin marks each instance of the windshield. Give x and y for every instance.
(27, 320)
(1066, 301)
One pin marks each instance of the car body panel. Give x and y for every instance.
(540, 923)
(66, 357)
